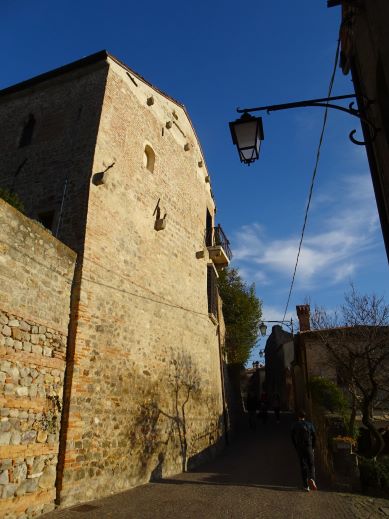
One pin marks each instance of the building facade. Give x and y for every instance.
(365, 54)
(279, 355)
(332, 353)
(112, 167)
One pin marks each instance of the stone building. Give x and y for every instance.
(279, 355)
(113, 168)
(313, 356)
(365, 53)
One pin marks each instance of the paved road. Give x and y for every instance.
(255, 478)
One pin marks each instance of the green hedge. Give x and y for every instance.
(328, 395)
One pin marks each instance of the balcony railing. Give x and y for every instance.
(216, 236)
(218, 246)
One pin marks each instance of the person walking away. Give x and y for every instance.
(276, 406)
(304, 439)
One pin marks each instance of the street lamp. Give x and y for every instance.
(263, 327)
(247, 134)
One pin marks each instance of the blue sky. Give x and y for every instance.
(214, 56)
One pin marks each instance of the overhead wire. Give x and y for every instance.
(156, 298)
(313, 177)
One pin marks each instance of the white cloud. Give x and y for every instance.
(339, 235)
(274, 313)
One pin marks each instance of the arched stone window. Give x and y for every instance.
(149, 158)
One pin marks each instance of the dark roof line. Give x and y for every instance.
(344, 328)
(90, 60)
(102, 55)
(333, 3)
(144, 80)
(163, 94)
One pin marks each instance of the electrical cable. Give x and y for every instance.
(313, 176)
(161, 301)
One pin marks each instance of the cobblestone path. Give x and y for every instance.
(257, 477)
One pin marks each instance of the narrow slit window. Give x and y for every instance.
(208, 230)
(28, 132)
(212, 291)
(149, 158)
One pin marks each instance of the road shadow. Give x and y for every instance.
(263, 458)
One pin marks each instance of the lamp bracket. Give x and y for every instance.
(324, 103)
(289, 323)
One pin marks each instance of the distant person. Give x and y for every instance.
(276, 406)
(263, 407)
(251, 405)
(304, 439)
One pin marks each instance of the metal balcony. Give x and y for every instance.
(218, 246)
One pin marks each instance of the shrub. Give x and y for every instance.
(12, 199)
(374, 473)
(328, 395)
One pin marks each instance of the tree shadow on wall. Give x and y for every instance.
(182, 386)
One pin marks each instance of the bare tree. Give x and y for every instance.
(170, 399)
(357, 341)
(184, 379)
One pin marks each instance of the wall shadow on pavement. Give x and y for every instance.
(172, 481)
(263, 458)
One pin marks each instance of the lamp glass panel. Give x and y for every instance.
(247, 154)
(247, 134)
(263, 329)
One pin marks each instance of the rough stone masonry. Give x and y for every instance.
(36, 275)
(121, 179)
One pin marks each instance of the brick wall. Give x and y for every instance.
(36, 274)
(142, 391)
(145, 398)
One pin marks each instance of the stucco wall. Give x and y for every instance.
(36, 273)
(146, 390)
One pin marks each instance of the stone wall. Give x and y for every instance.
(51, 173)
(142, 395)
(318, 359)
(145, 398)
(36, 274)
